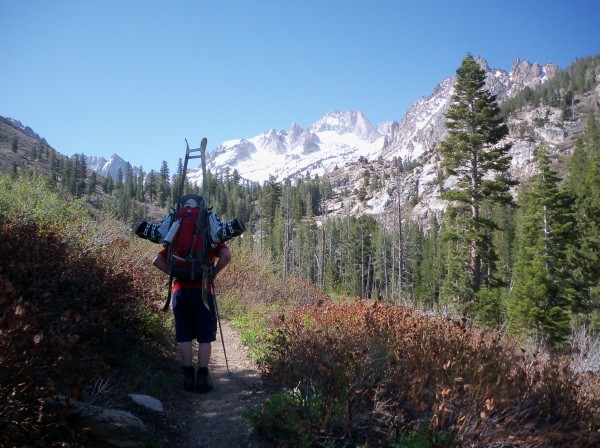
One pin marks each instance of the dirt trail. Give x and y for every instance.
(216, 419)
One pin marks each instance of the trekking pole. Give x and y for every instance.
(220, 329)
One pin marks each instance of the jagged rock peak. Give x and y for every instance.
(294, 133)
(346, 122)
(525, 69)
(295, 129)
(482, 63)
(111, 166)
(30, 132)
(528, 74)
(274, 141)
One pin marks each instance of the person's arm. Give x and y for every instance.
(224, 256)
(161, 263)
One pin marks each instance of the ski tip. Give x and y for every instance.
(203, 142)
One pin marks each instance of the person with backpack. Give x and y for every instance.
(194, 309)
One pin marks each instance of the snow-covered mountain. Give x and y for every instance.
(341, 138)
(109, 167)
(335, 140)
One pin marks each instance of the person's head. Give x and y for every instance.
(191, 202)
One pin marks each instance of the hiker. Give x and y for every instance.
(193, 320)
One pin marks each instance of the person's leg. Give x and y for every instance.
(184, 334)
(186, 352)
(204, 351)
(203, 382)
(207, 330)
(189, 379)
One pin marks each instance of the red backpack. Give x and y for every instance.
(189, 245)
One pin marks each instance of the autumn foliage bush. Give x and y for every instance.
(252, 280)
(368, 374)
(250, 294)
(70, 301)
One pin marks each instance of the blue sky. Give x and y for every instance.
(137, 77)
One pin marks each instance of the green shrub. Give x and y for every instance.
(31, 201)
(287, 416)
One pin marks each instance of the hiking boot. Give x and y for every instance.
(203, 382)
(148, 231)
(188, 378)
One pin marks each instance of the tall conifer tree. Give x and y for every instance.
(474, 152)
(164, 186)
(584, 182)
(544, 292)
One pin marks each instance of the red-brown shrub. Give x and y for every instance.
(63, 309)
(251, 279)
(382, 371)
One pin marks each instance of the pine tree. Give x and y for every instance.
(268, 208)
(109, 185)
(474, 152)
(91, 184)
(584, 182)
(163, 185)
(52, 167)
(130, 184)
(543, 293)
(176, 183)
(120, 176)
(332, 279)
(456, 280)
(427, 291)
(140, 193)
(81, 174)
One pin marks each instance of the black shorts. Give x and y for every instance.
(192, 319)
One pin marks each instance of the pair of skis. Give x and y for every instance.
(197, 153)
